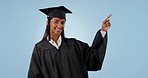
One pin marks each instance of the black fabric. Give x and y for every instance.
(72, 60)
(59, 12)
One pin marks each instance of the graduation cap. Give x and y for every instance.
(59, 12)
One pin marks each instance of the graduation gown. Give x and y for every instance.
(72, 60)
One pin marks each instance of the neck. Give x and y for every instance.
(54, 37)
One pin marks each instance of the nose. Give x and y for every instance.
(60, 25)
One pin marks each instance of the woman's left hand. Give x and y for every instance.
(106, 24)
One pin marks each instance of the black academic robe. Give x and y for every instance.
(72, 60)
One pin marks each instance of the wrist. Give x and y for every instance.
(103, 30)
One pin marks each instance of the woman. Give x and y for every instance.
(58, 57)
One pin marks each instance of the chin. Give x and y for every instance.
(58, 33)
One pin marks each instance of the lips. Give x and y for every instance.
(58, 29)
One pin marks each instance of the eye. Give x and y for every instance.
(63, 22)
(56, 21)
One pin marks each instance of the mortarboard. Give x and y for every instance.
(59, 12)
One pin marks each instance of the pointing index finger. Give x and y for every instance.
(108, 17)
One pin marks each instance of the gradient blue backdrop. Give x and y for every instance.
(22, 25)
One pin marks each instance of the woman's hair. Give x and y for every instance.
(47, 31)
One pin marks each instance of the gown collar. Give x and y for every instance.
(54, 43)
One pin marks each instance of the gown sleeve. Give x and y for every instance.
(93, 56)
(34, 69)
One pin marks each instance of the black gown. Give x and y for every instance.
(72, 60)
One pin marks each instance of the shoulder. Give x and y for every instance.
(75, 41)
(41, 44)
(69, 41)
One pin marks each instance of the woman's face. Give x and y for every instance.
(56, 26)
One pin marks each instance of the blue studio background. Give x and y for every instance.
(22, 25)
